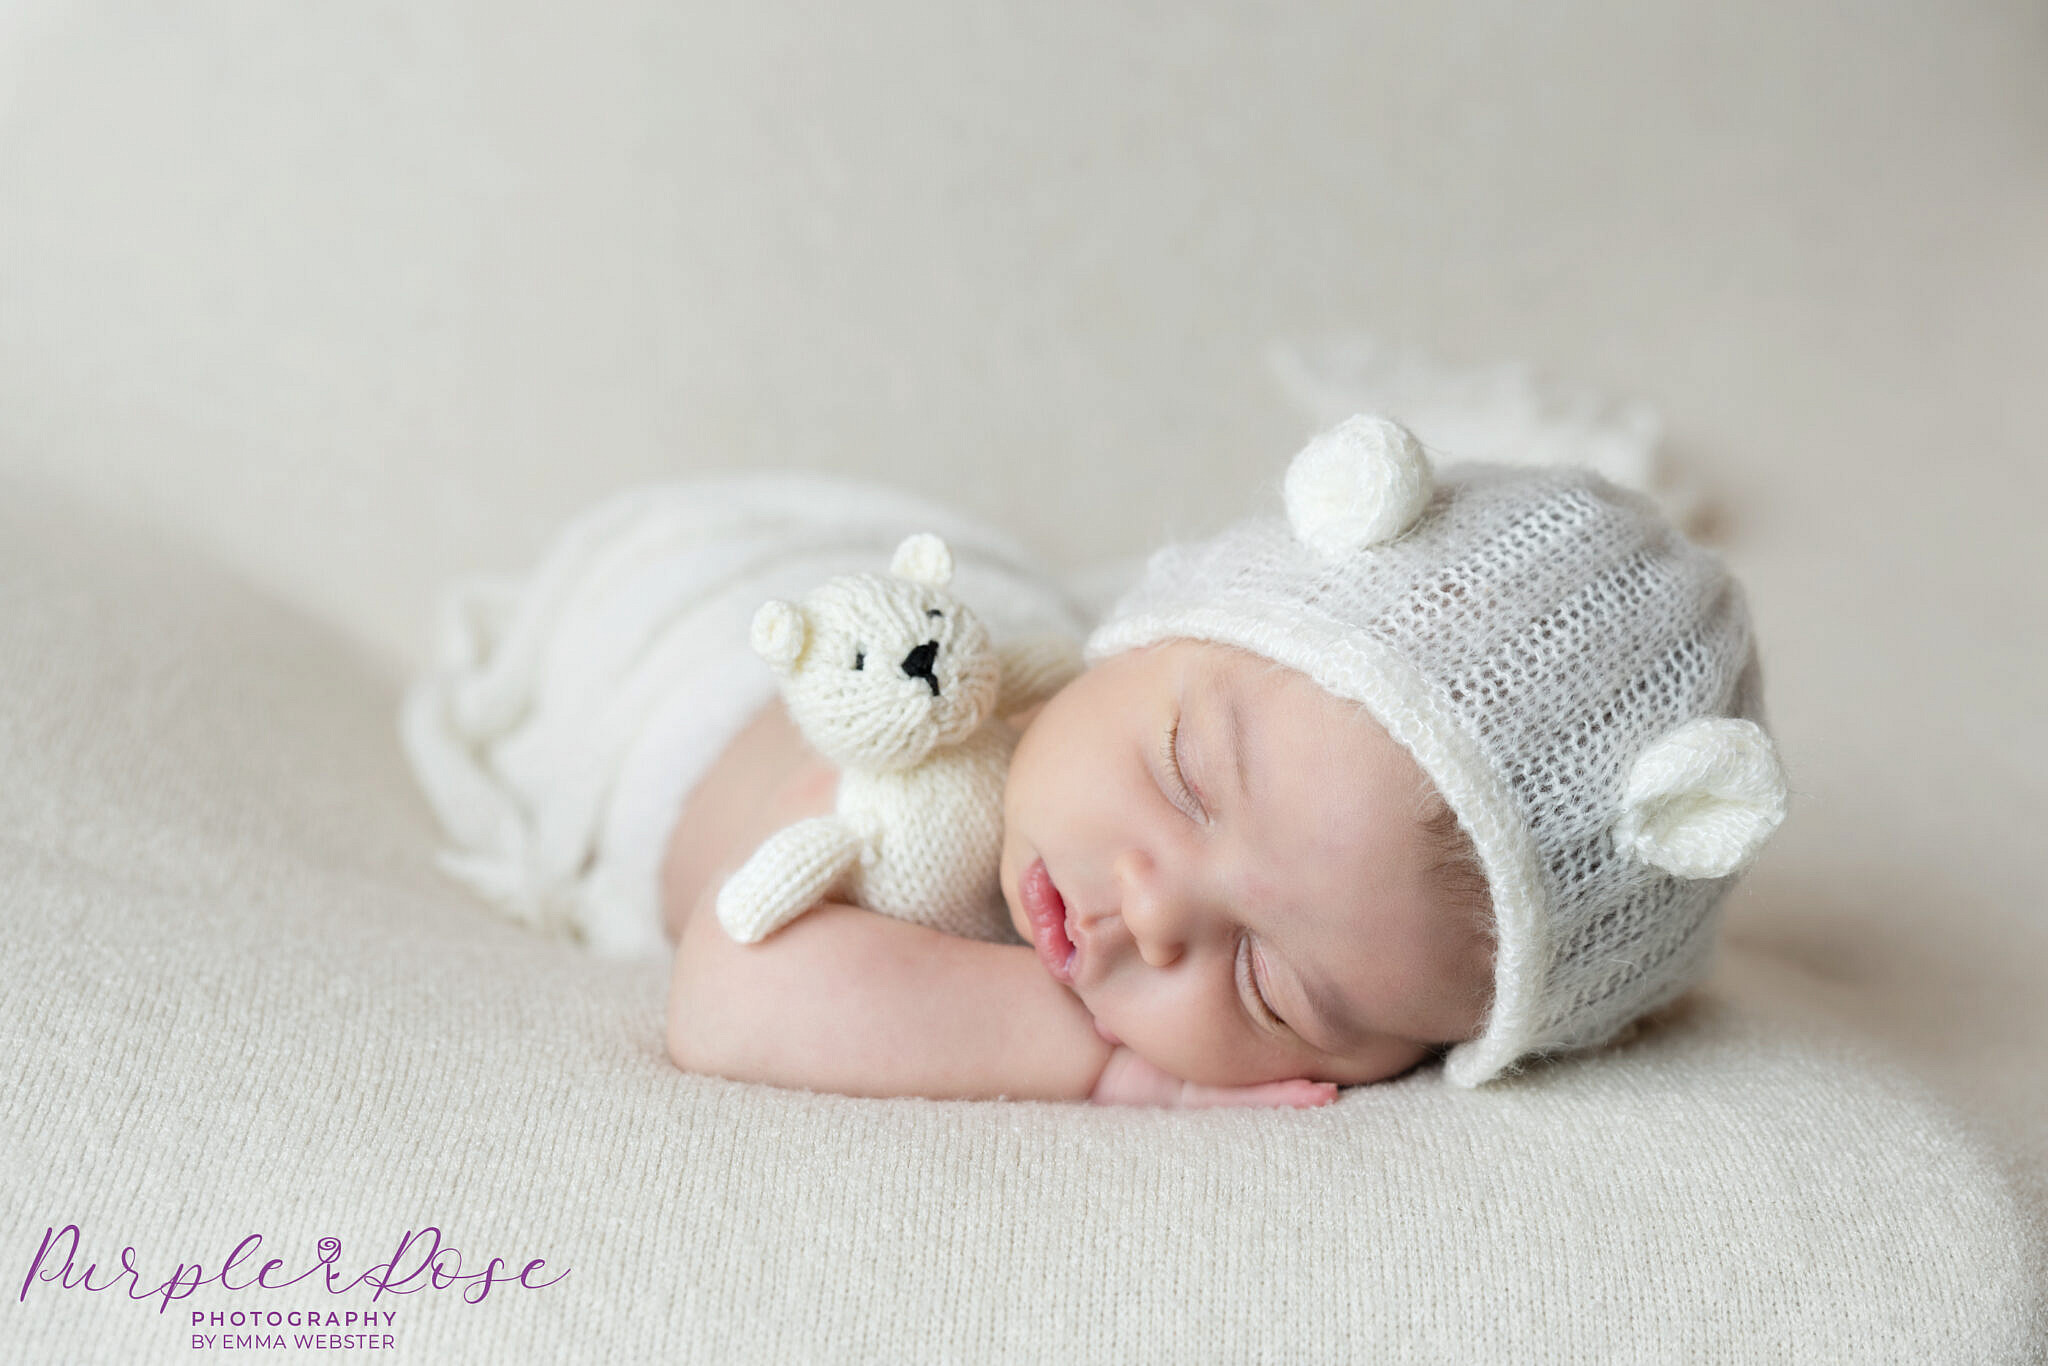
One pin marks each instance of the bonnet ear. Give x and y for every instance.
(1361, 483)
(779, 633)
(923, 558)
(1702, 800)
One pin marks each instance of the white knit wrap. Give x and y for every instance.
(1577, 679)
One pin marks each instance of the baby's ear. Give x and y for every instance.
(923, 558)
(779, 633)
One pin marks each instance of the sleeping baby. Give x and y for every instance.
(1431, 766)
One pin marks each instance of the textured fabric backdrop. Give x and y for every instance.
(239, 1002)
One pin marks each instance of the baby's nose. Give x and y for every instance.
(1152, 911)
(918, 664)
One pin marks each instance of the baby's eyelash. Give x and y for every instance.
(1246, 978)
(1169, 758)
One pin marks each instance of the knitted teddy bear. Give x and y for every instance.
(896, 682)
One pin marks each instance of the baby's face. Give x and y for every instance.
(1253, 903)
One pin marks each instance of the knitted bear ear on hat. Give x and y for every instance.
(1361, 483)
(1702, 800)
(923, 558)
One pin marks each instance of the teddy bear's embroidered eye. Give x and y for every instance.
(933, 612)
(860, 658)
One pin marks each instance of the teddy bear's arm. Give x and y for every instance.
(1034, 669)
(793, 870)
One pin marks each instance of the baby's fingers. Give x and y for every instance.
(1295, 1093)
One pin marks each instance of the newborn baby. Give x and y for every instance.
(1456, 762)
(1241, 879)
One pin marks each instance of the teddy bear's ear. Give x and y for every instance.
(1363, 482)
(779, 633)
(923, 558)
(1703, 799)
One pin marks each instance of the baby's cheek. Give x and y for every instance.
(1381, 1061)
(1201, 1045)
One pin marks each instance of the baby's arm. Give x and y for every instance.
(845, 1000)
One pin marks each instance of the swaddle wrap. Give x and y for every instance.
(570, 713)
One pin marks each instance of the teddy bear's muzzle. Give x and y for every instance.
(918, 664)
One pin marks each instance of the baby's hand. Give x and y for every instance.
(1128, 1079)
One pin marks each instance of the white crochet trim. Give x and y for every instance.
(1348, 665)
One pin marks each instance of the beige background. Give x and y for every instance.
(351, 298)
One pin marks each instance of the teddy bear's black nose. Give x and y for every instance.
(918, 664)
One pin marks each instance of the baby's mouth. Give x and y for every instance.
(1047, 912)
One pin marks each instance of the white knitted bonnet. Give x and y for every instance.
(1577, 679)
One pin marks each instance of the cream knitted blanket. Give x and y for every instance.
(237, 1000)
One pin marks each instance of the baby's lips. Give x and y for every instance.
(1047, 912)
